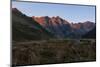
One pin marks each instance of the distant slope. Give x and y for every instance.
(91, 34)
(25, 28)
(64, 29)
(56, 25)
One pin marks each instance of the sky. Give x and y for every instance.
(71, 13)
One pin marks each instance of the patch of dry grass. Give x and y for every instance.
(53, 51)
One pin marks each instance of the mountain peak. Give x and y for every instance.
(15, 9)
(58, 17)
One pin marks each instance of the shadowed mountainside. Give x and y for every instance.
(91, 34)
(25, 28)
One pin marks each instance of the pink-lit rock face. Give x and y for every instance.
(86, 25)
(61, 26)
(59, 21)
(40, 20)
(47, 20)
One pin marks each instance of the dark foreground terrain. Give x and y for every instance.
(53, 51)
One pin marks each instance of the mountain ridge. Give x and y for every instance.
(63, 25)
(25, 28)
(55, 25)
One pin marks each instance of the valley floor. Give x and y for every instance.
(53, 51)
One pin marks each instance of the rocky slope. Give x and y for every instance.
(25, 28)
(64, 29)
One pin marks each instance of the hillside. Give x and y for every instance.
(25, 28)
(91, 34)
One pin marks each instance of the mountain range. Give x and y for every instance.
(25, 28)
(45, 27)
(62, 28)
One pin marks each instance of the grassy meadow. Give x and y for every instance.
(53, 51)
